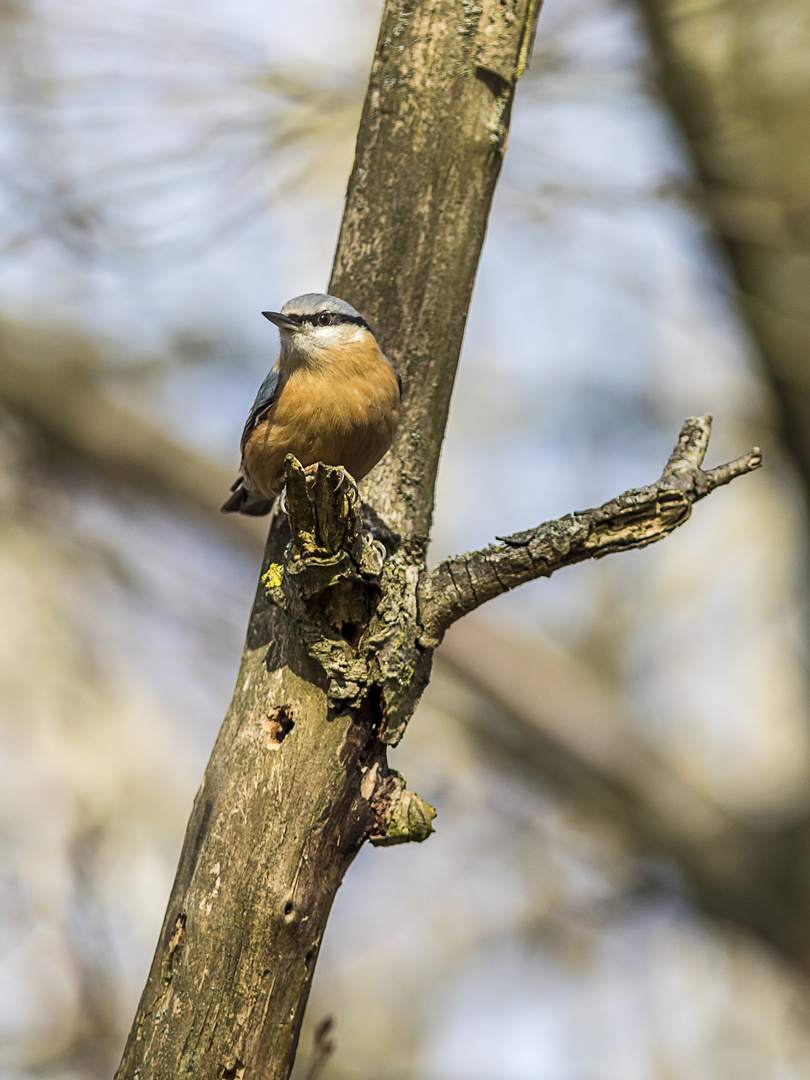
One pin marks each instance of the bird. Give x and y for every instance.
(332, 396)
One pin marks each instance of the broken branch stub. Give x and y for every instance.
(337, 578)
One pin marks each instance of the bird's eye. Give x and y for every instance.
(324, 319)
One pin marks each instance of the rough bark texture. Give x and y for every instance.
(336, 658)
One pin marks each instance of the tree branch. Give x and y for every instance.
(635, 519)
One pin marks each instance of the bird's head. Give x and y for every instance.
(315, 327)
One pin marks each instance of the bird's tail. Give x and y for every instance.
(242, 501)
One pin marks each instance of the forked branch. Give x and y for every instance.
(635, 519)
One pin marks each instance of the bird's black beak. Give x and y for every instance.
(283, 322)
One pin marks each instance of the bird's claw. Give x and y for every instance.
(345, 481)
(311, 472)
(376, 547)
(348, 485)
(344, 484)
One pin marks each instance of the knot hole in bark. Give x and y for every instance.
(175, 947)
(278, 724)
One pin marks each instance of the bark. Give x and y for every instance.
(336, 659)
(573, 731)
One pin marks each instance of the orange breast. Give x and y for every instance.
(344, 413)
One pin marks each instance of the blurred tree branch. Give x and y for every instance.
(737, 79)
(558, 718)
(658, 806)
(299, 778)
(73, 413)
(336, 658)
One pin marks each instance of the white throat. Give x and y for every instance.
(319, 346)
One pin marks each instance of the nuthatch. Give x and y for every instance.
(332, 397)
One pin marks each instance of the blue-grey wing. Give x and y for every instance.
(396, 372)
(267, 396)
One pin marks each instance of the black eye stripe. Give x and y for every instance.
(336, 318)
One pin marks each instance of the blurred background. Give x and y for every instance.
(619, 887)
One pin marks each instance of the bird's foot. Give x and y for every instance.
(311, 473)
(348, 485)
(344, 482)
(375, 552)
